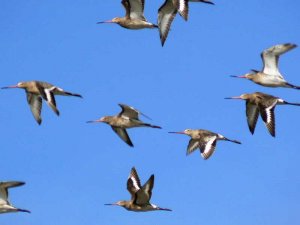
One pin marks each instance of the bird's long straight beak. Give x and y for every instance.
(238, 76)
(105, 21)
(111, 204)
(24, 210)
(176, 132)
(165, 209)
(236, 97)
(94, 121)
(13, 86)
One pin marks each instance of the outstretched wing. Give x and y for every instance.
(143, 195)
(135, 8)
(207, 146)
(133, 183)
(183, 8)
(35, 103)
(122, 133)
(268, 116)
(130, 112)
(271, 56)
(4, 186)
(51, 100)
(166, 15)
(193, 145)
(126, 5)
(252, 112)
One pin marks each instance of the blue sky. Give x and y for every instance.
(72, 168)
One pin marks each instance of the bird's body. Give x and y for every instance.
(263, 104)
(134, 18)
(204, 140)
(5, 205)
(167, 13)
(38, 90)
(140, 195)
(270, 75)
(127, 118)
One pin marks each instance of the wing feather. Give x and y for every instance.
(35, 103)
(133, 183)
(271, 56)
(122, 133)
(252, 112)
(166, 15)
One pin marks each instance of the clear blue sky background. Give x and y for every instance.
(72, 168)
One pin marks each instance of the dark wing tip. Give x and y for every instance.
(21, 183)
(251, 129)
(211, 3)
(237, 142)
(272, 132)
(152, 177)
(78, 95)
(130, 144)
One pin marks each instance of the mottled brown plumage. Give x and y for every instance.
(38, 90)
(204, 140)
(127, 118)
(167, 13)
(263, 104)
(134, 17)
(140, 195)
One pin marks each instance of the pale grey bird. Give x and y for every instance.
(270, 75)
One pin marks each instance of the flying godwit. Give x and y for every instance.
(263, 104)
(140, 195)
(134, 18)
(5, 205)
(167, 13)
(127, 118)
(38, 90)
(270, 75)
(205, 140)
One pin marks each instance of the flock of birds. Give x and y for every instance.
(135, 19)
(204, 140)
